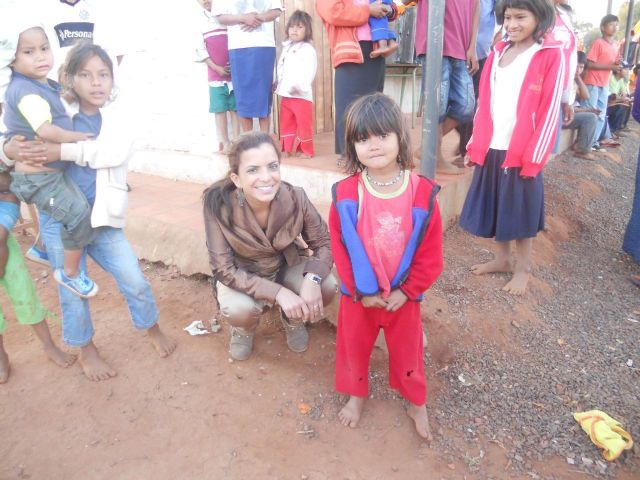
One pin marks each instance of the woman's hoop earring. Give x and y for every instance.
(240, 197)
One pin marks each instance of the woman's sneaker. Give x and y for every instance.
(81, 285)
(36, 255)
(297, 335)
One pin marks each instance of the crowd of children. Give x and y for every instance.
(384, 223)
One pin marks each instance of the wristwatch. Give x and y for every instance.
(317, 279)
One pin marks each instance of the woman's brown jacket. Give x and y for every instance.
(246, 258)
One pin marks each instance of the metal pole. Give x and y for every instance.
(609, 7)
(433, 65)
(627, 31)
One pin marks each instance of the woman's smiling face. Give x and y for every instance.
(258, 175)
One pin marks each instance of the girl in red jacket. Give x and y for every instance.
(512, 137)
(386, 239)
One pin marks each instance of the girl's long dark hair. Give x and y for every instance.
(218, 195)
(543, 10)
(375, 114)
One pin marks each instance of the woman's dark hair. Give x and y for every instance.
(76, 59)
(300, 17)
(542, 9)
(375, 114)
(582, 58)
(608, 19)
(219, 194)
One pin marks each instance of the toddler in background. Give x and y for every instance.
(296, 71)
(214, 51)
(383, 36)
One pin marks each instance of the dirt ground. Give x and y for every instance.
(197, 414)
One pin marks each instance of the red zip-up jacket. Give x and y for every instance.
(538, 110)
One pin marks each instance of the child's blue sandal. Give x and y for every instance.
(81, 285)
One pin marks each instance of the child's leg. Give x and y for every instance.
(518, 284)
(287, 124)
(5, 368)
(403, 334)
(357, 331)
(304, 121)
(446, 123)
(9, 214)
(221, 129)
(501, 262)
(4, 251)
(28, 309)
(77, 328)
(235, 123)
(111, 250)
(264, 123)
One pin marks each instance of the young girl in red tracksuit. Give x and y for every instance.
(512, 140)
(386, 238)
(296, 71)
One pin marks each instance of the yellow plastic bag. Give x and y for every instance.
(605, 432)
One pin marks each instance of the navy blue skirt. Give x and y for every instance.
(501, 204)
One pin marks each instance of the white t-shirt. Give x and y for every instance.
(296, 68)
(263, 36)
(503, 107)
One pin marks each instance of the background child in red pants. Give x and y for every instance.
(296, 71)
(386, 237)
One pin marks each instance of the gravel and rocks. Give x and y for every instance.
(580, 350)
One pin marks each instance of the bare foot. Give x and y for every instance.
(350, 414)
(446, 167)
(5, 368)
(421, 418)
(163, 344)
(518, 284)
(584, 155)
(57, 356)
(93, 366)
(392, 48)
(496, 265)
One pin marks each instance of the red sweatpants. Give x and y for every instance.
(358, 329)
(296, 122)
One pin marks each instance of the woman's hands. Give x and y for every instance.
(378, 9)
(307, 306)
(392, 303)
(311, 293)
(292, 305)
(250, 21)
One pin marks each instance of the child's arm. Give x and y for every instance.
(305, 72)
(37, 113)
(472, 55)
(427, 261)
(539, 146)
(339, 251)
(222, 71)
(53, 133)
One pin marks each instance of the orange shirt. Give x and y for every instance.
(601, 51)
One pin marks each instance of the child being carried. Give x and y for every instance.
(33, 108)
